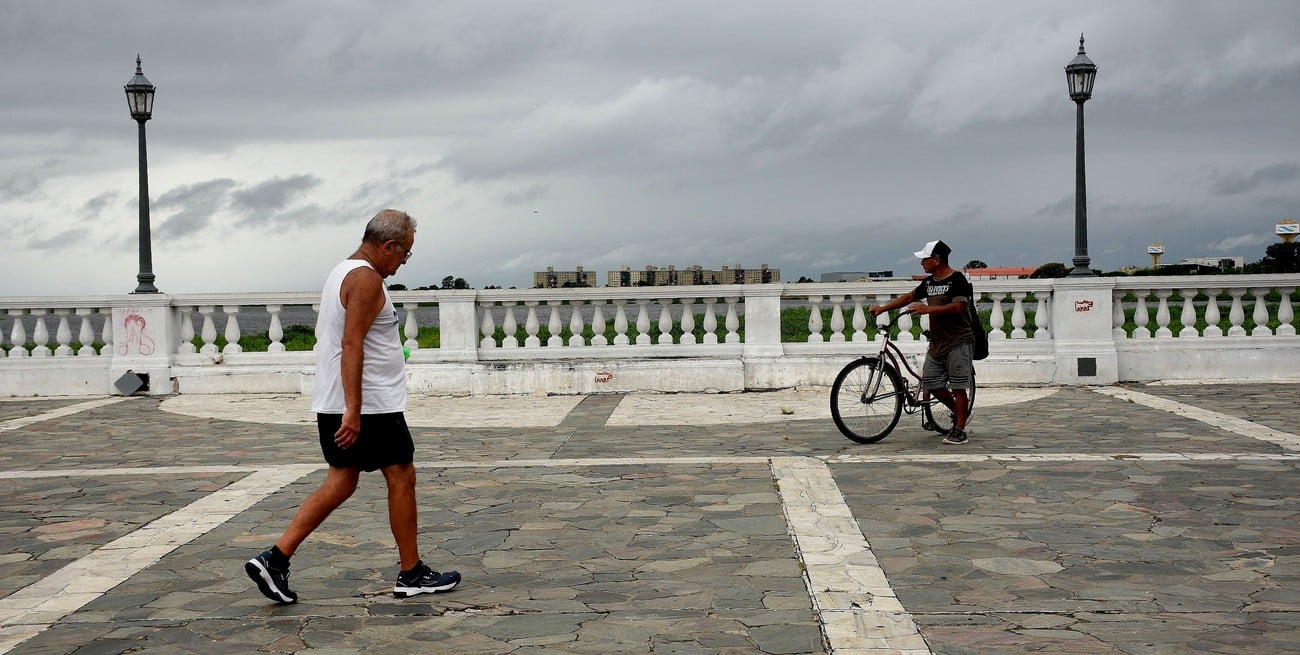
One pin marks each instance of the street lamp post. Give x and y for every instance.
(1079, 75)
(139, 97)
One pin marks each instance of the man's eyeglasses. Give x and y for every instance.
(407, 258)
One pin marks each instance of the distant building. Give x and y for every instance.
(1221, 263)
(847, 276)
(553, 279)
(1001, 273)
(653, 276)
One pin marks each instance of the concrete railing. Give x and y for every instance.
(693, 338)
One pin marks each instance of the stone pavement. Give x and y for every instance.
(1128, 519)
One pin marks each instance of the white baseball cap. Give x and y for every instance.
(933, 248)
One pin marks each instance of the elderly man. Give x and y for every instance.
(359, 397)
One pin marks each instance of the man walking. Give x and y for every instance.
(359, 397)
(948, 360)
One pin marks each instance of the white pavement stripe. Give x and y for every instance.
(17, 423)
(32, 609)
(1060, 457)
(140, 470)
(858, 609)
(1221, 421)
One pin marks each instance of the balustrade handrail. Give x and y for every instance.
(1261, 280)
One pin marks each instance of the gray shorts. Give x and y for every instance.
(951, 370)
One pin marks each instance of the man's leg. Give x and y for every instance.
(402, 511)
(338, 486)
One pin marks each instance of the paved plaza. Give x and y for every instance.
(1123, 519)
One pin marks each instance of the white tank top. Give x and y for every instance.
(383, 374)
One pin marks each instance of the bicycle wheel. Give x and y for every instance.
(866, 400)
(942, 418)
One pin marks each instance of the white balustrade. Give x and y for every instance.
(209, 331)
(553, 325)
(1018, 316)
(63, 333)
(18, 335)
(1162, 314)
(598, 337)
(620, 323)
(733, 322)
(510, 327)
(487, 327)
(186, 346)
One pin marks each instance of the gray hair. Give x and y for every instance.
(388, 225)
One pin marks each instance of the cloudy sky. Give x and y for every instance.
(811, 136)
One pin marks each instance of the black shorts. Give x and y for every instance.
(384, 441)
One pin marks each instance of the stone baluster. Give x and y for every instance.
(1188, 315)
(1260, 315)
(40, 335)
(733, 321)
(643, 322)
(1162, 314)
(186, 346)
(107, 337)
(837, 319)
(576, 325)
(688, 321)
(665, 322)
(815, 320)
(487, 328)
(882, 317)
(63, 334)
(232, 329)
(997, 319)
(209, 333)
(531, 326)
(598, 337)
(1236, 315)
(553, 325)
(86, 335)
(710, 321)
(1042, 317)
(1285, 315)
(510, 327)
(1117, 315)
(275, 331)
(1141, 317)
(620, 322)
(1212, 318)
(905, 327)
(18, 334)
(412, 326)
(1018, 315)
(859, 320)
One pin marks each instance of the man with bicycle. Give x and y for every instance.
(948, 360)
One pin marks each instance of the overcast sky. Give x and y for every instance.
(811, 136)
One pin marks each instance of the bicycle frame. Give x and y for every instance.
(893, 355)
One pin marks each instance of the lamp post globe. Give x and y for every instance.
(139, 98)
(1080, 74)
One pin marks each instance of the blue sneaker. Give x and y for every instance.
(423, 580)
(271, 581)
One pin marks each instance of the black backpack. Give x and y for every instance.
(980, 338)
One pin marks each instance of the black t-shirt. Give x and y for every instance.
(947, 331)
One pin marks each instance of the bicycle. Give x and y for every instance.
(869, 394)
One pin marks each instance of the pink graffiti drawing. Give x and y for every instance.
(603, 377)
(135, 324)
(1083, 305)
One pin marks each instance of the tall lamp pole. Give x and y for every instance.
(1079, 75)
(139, 97)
